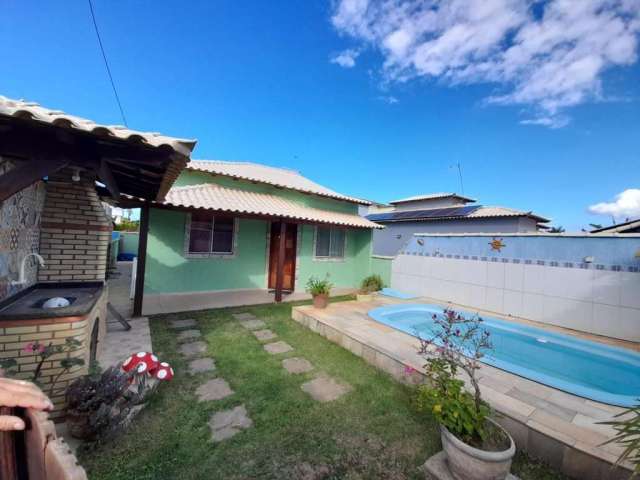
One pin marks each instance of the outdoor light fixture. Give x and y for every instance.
(76, 175)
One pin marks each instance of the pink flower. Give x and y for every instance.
(408, 370)
(34, 347)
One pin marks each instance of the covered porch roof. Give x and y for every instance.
(43, 141)
(246, 203)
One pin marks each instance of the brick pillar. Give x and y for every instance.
(75, 230)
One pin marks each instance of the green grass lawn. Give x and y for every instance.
(372, 432)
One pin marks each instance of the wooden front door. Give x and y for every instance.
(291, 238)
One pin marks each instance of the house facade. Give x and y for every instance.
(227, 230)
(443, 213)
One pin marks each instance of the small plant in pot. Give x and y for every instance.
(477, 448)
(319, 290)
(371, 284)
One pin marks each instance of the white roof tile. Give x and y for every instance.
(280, 177)
(33, 111)
(215, 197)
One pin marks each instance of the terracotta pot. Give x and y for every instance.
(470, 463)
(78, 425)
(321, 301)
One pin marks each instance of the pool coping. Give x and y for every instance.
(548, 423)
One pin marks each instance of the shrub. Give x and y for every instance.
(316, 286)
(628, 435)
(456, 344)
(372, 283)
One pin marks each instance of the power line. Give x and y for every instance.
(106, 64)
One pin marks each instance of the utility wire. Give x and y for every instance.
(106, 64)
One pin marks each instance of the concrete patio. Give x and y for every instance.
(548, 423)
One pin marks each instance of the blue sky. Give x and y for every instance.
(254, 82)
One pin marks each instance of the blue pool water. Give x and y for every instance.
(581, 367)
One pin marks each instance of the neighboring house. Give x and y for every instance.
(443, 213)
(632, 226)
(233, 233)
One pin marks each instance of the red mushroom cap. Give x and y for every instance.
(142, 362)
(163, 371)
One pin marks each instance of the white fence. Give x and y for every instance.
(599, 301)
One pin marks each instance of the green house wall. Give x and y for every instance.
(168, 270)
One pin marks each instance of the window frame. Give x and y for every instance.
(329, 258)
(211, 254)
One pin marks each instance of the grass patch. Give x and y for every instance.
(372, 432)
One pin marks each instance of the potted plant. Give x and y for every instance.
(371, 284)
(319, 290)
(477, 448)
(97, 403)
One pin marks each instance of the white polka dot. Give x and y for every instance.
(127, 361)
(162, 374)
(154, 358)
(164, 364)
(171, 370)
(142, 367)
(140, 354)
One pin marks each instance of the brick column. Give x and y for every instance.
(75, 230)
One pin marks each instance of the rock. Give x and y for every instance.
(183, 324)
(228, 423)
(243, 316)
(277, 347)
(188, 335)
(201, 365)
(193, 349)
(264, 335)
(325, 389)
(215, 389)
(253, 324)
(297, 365)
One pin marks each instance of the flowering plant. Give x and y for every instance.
(456, 345)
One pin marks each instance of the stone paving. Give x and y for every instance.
(297, 365)
(228, 423)
(192, 349)
(277, 347)
(183, 324)
(243, 316)
(202, 365)
(254, 324)
(264, 335)
(325, 389)
(188, 335)
(215, 389)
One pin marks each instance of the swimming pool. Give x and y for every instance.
(588, 369)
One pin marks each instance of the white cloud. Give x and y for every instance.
(626, 204)
(547, 56)
(346, 58)
(388, 99)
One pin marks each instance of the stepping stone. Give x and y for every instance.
(183, 324)
(253, 324)
(215, 389)
(201, 365)
(244, 316)
(263, 335)
(193, 349)
(188, 335)
(325, 389)
(227, 423)
(297, 365)
(277, 347)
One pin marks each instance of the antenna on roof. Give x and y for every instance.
(459, 167)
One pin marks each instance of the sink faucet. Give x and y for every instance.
(22, 280)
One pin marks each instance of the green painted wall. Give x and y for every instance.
(169, 271)
(382, 267)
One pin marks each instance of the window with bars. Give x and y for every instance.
(330, 242)
(210, 233)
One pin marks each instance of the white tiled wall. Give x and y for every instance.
(603, 302)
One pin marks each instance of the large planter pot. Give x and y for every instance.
(321, 301)
(470, 463)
